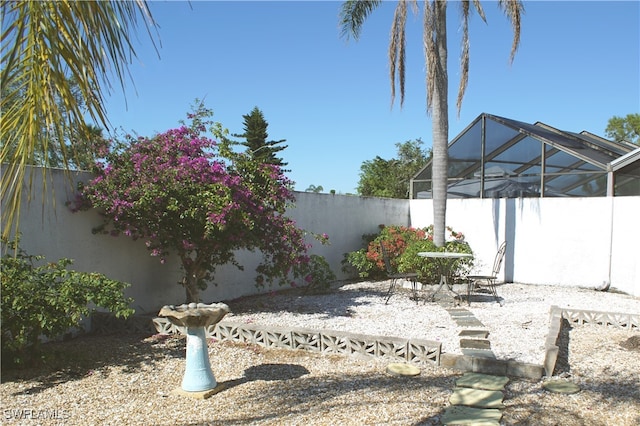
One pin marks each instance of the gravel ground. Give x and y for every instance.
(517, 329)
(128, 380)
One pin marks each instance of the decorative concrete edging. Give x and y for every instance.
(605, 319)
(580, 317)
(535, 371)
(415, 351)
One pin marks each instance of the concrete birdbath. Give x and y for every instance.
(198, 379)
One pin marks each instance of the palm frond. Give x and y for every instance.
(480, 10)
(353, 13)
(465, 12)
(397, 45)
(45, 46)
(464, 54)
(513, 9)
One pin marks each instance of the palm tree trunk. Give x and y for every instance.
(440, 124)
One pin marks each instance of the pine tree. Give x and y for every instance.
(255, 135)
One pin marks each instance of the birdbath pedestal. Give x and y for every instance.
(198, 380)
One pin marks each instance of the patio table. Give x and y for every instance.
(444, 260)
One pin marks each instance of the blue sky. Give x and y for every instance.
(577, 66)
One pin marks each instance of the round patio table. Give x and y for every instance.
(444, 261)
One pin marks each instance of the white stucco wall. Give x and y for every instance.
(569, 241)
(344, 218)
(579, 242)
(56, 232)
(625, 245)
(564, 241)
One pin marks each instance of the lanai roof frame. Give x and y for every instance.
(585, 175)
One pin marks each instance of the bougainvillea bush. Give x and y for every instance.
(402, 244)
(182, 192)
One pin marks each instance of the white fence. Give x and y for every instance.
(570, 242)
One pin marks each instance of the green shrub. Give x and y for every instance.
(48, 300)
(320, 275)
(427, 270)
(356, 263)
(403, 244)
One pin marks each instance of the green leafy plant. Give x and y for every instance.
(49, 300)
(368, 261)
(428, 270)
(319, 275)
(356, 262)
(403, 244)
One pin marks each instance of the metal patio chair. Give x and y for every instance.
(394, 276)
(488, 281)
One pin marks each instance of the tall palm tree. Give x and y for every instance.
(45, 46)
(352, 16)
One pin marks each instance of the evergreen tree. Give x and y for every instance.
(255, 135)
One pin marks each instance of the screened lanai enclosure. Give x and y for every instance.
(497, 157)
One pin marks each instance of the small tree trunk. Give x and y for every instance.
(192, 292)
(193, 273)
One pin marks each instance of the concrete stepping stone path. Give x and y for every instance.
(476, 400)
(464, 318)
(461, 415)
(479, 334)
(475, 343)
(482, 381)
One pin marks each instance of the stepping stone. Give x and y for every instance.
(468, 322)
(482, 381)
(482, 334)
(461, 313)
(402, 369)
(454, 311)
(480, 353)
(479, 398)
(462, 316)
(475, 343)
(461, 415)
(561, 386)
